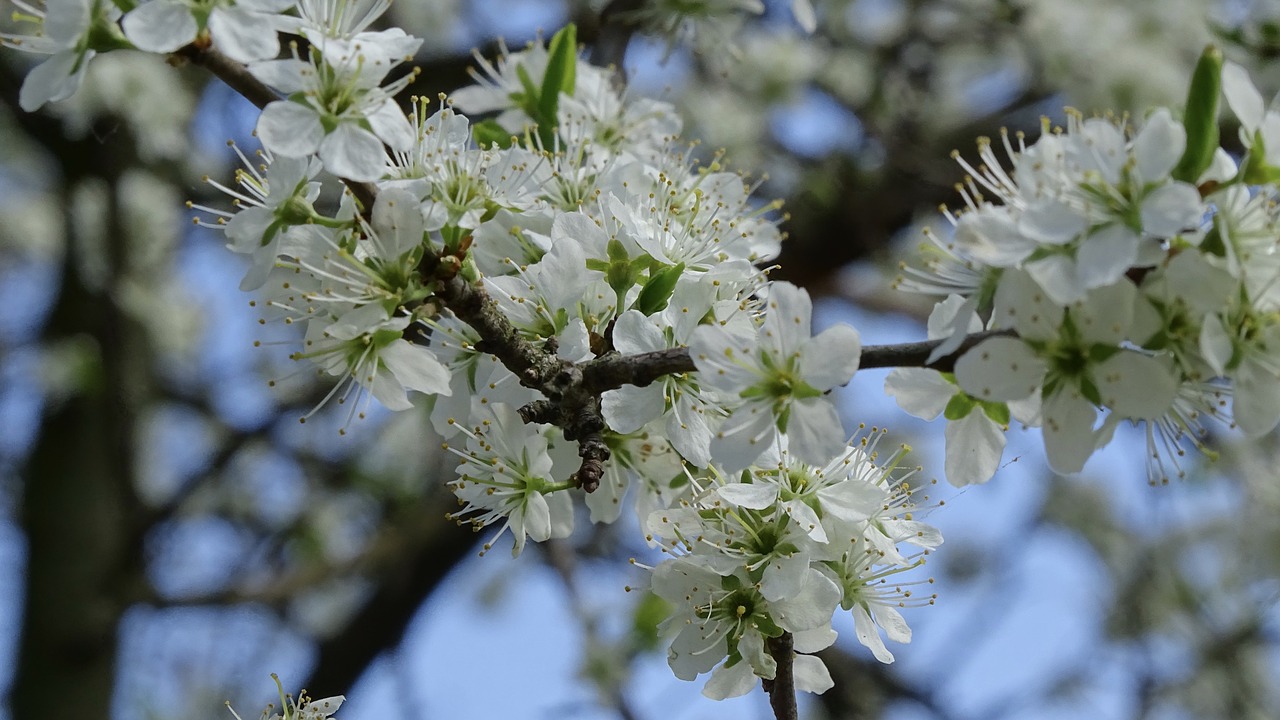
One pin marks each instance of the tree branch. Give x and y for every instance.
(613, 371)
(573, 389)
(782, 688)
(616, 29)
(238, 78)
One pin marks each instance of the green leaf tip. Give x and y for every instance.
(1201, 116)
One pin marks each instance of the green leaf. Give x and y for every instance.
(1213, 243)
(998, 412)
(488, 133)
(530, 98)
(657, 292)
(959, 406)
(1201, 116)
(649, 613)
(562, 61)
(1090, 392)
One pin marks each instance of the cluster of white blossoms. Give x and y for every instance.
(491, 269)
(1130, 274)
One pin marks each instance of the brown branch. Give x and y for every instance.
(782, 688)
(613, 371)
(238, 78)
(469, 301)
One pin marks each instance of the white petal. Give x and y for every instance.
(975, 444)
(353, 153)
(814, 431)
(391, 126)
(53, 80)
(160, 26)
(831, 358)
(1136, 386)
(852, 500)
(1242, 97)
(992, 237)
(891, 621)
(630, 408)
(289, 129)
(742, 437)
(806, 518)
(755, 496)
(947, 315)
(688, 431)
(920, 392)
(786, 577)
(1021, 304)
(1172, 209)
(1191, 279)
(730, 682)
(66, 21)
(1106, 313)
(416, 367)
(388, 391)
(720, 356)
(1159, 146)
(634, 333)
(811, 674)
(1106, 255)
(397, 223)
(1052, 222)
(1000, 369)
(287, 76)
(580, 228)
(869, 635)
(243, 35)
(814, 640)
(1256, 400)
(537, 517)
(811, 607)
(560, 506)
(964, 321)
(787, 325)
(1069, 438)
(1059, 277)
(1215, 344)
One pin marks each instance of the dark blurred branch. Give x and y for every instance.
(617, 26)
(79, 508)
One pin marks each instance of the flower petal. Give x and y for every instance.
(1000, 369)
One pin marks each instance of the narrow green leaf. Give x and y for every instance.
(530, 99)
(562, 59)
(1201, 116)
(488, 133)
